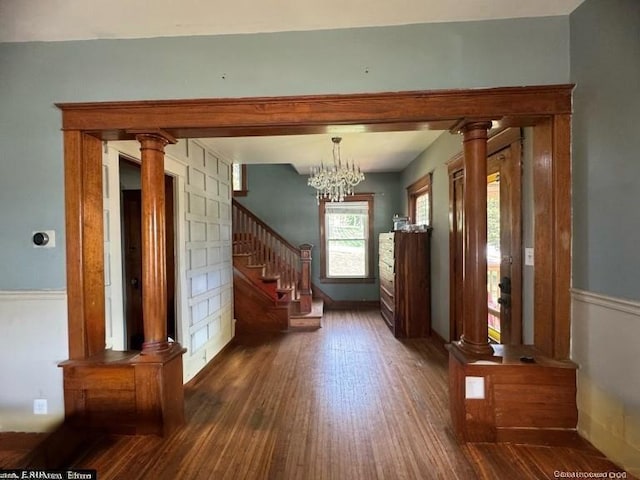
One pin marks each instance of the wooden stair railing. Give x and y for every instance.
(286, 265)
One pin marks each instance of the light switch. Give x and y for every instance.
(474, 387)
(528, 256)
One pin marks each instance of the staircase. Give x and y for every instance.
(271, 279)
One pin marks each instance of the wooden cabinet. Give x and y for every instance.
(405, 292)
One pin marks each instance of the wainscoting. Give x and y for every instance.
(605, 343)
(347, 401)
(36, 322)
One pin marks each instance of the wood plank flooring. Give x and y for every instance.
(348, 401)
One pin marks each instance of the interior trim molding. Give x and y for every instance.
(546, 107)
(307, 114)
(612, 303)
(27, 295)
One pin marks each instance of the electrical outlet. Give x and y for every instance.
(40, 406)
(474, 387)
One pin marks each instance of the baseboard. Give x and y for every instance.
(549, 437)
(331, 304)
(353, 305)
(439, 340)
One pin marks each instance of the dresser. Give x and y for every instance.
(405, 291)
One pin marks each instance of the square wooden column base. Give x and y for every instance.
(524, 401)
(125, 392)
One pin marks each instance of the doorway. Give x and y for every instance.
(131, 221)
(504, 239)
(547, 108)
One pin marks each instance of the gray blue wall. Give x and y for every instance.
(605, 66)
(33, 76)
(433, 160)
(280, 197)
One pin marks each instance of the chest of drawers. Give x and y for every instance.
(405, 293)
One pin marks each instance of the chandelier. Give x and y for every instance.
(335, 181)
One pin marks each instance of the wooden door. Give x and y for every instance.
(132, 237)
(504, 245)
(504, 252)
(170, 248)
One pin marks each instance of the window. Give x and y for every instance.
(345, 232)
(239, 178)
(420, 201)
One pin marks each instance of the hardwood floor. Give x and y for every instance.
(348, 401)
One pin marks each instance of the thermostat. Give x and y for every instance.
(44, 239)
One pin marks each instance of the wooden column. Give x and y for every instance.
(84, 245)
(475, 330)
(305, 278)
(154, 275)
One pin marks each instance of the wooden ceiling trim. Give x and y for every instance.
(234, 117)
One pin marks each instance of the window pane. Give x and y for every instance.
(346, 226)
(346, 258)
(493, 255)
(422, 209)
(346, 239)
(237, 176)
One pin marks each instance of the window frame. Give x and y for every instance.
(243, 181)
(370, 278)
(418, 188)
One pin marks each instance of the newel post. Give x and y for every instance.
(305, 278)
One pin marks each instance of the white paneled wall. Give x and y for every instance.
(209, 265)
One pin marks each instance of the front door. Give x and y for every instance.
(504, 240)
(504, 245)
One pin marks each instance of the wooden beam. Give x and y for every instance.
(236, 117)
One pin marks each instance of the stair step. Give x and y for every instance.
(271, 277)
(241, 259)
(308, 321)
(284, 296)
